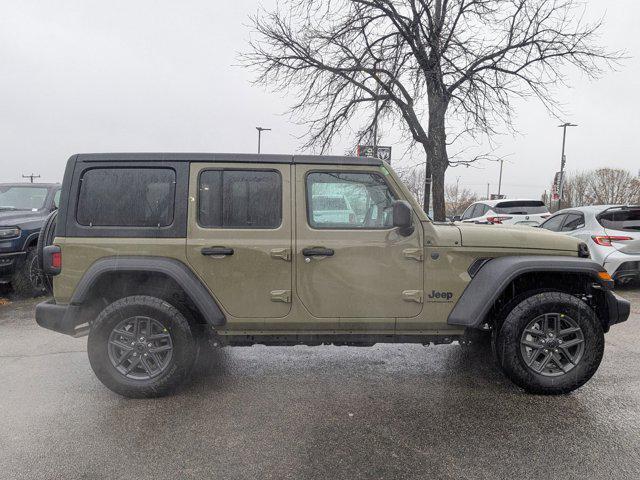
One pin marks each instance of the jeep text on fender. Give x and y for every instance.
(153, 251)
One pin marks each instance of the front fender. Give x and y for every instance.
(495, 275)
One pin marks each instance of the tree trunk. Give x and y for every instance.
(437, 152)
(427, 185)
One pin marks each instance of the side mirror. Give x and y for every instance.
(402, 217)
(456, 218)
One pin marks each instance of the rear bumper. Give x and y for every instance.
(618, 308)
(59, 318)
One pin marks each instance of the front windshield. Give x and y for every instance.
(22, 198)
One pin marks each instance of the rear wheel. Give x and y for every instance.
(550, 343)
(141, 346)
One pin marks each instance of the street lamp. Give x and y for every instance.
(260, 130)
(563, 160)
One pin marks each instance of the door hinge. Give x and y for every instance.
(413, 253)
(412, 296)
(283, 296)
(282, 253)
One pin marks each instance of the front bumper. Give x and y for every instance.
(618, 308)
(59, 318)
(9, 263)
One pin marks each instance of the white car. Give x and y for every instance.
(509, 212)
(332, 210)
(612, 233)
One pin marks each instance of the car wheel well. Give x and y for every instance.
(112, 286)
(525, 285)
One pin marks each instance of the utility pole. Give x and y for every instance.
(500, 179)
(563, 160)
(488, 191)
(260, 130)
(31, 177)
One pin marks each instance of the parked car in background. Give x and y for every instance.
(612, 233)
(512, 212)
(332, 209)
(23, 209)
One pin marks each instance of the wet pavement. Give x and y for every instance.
(390, 411)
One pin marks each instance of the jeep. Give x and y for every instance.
(23, 210)
(155, 255)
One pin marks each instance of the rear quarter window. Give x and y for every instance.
(625, 220)
(126, 197)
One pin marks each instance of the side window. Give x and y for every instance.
(340, 200)
(573, 222)
(554, 223)
(482, 211)
(56, 199)
(468, 212)
(127, 197)
(240, 199)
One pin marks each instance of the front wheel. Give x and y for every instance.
(550, 343)
(140, 346)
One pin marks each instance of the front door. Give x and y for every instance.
(351, 262)
(239, 238)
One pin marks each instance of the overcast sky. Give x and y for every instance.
(96, 76)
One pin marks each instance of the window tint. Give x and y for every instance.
(349, 200)
(127, 197)
(56, 199)
(623, 219)
(554, 222)
(240, 199)
(573, 222)
(468, 213)
(521, 207)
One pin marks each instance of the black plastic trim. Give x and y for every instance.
(174, 269)
(494, 276)
(618, 307)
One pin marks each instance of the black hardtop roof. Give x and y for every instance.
(226, 157)
(29, 184)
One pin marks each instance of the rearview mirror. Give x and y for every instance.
(402, 217)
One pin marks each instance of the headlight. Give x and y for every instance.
(10, 232)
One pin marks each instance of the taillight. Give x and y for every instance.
(56, 260)
(606, 240)
(498, 219)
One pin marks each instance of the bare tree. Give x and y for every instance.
(604, 186)
(413, 179)
(431, 67)
(457, 199)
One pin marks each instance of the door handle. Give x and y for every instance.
(318, 252)
(217, 251)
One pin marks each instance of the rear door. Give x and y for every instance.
(360, 270)
(239, 236)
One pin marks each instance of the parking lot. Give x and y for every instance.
(391, 411)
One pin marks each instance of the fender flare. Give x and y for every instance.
(495, 275)
(176, 270)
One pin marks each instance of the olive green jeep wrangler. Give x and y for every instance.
(154, 252)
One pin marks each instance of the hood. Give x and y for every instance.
(16, 217)
(509, 236)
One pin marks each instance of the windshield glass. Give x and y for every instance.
(624, 219)
(22, 198)
(521, 207)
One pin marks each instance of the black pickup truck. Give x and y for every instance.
(23, 209)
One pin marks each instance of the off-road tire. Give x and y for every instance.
(508, 351)
(182, 337)
(45, 238)
(27, 279)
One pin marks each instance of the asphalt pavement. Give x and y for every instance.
(390, 411)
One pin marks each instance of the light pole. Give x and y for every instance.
(500, 179)
(563, 160)
(260, 130)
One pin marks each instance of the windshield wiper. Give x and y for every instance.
(8, 208)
